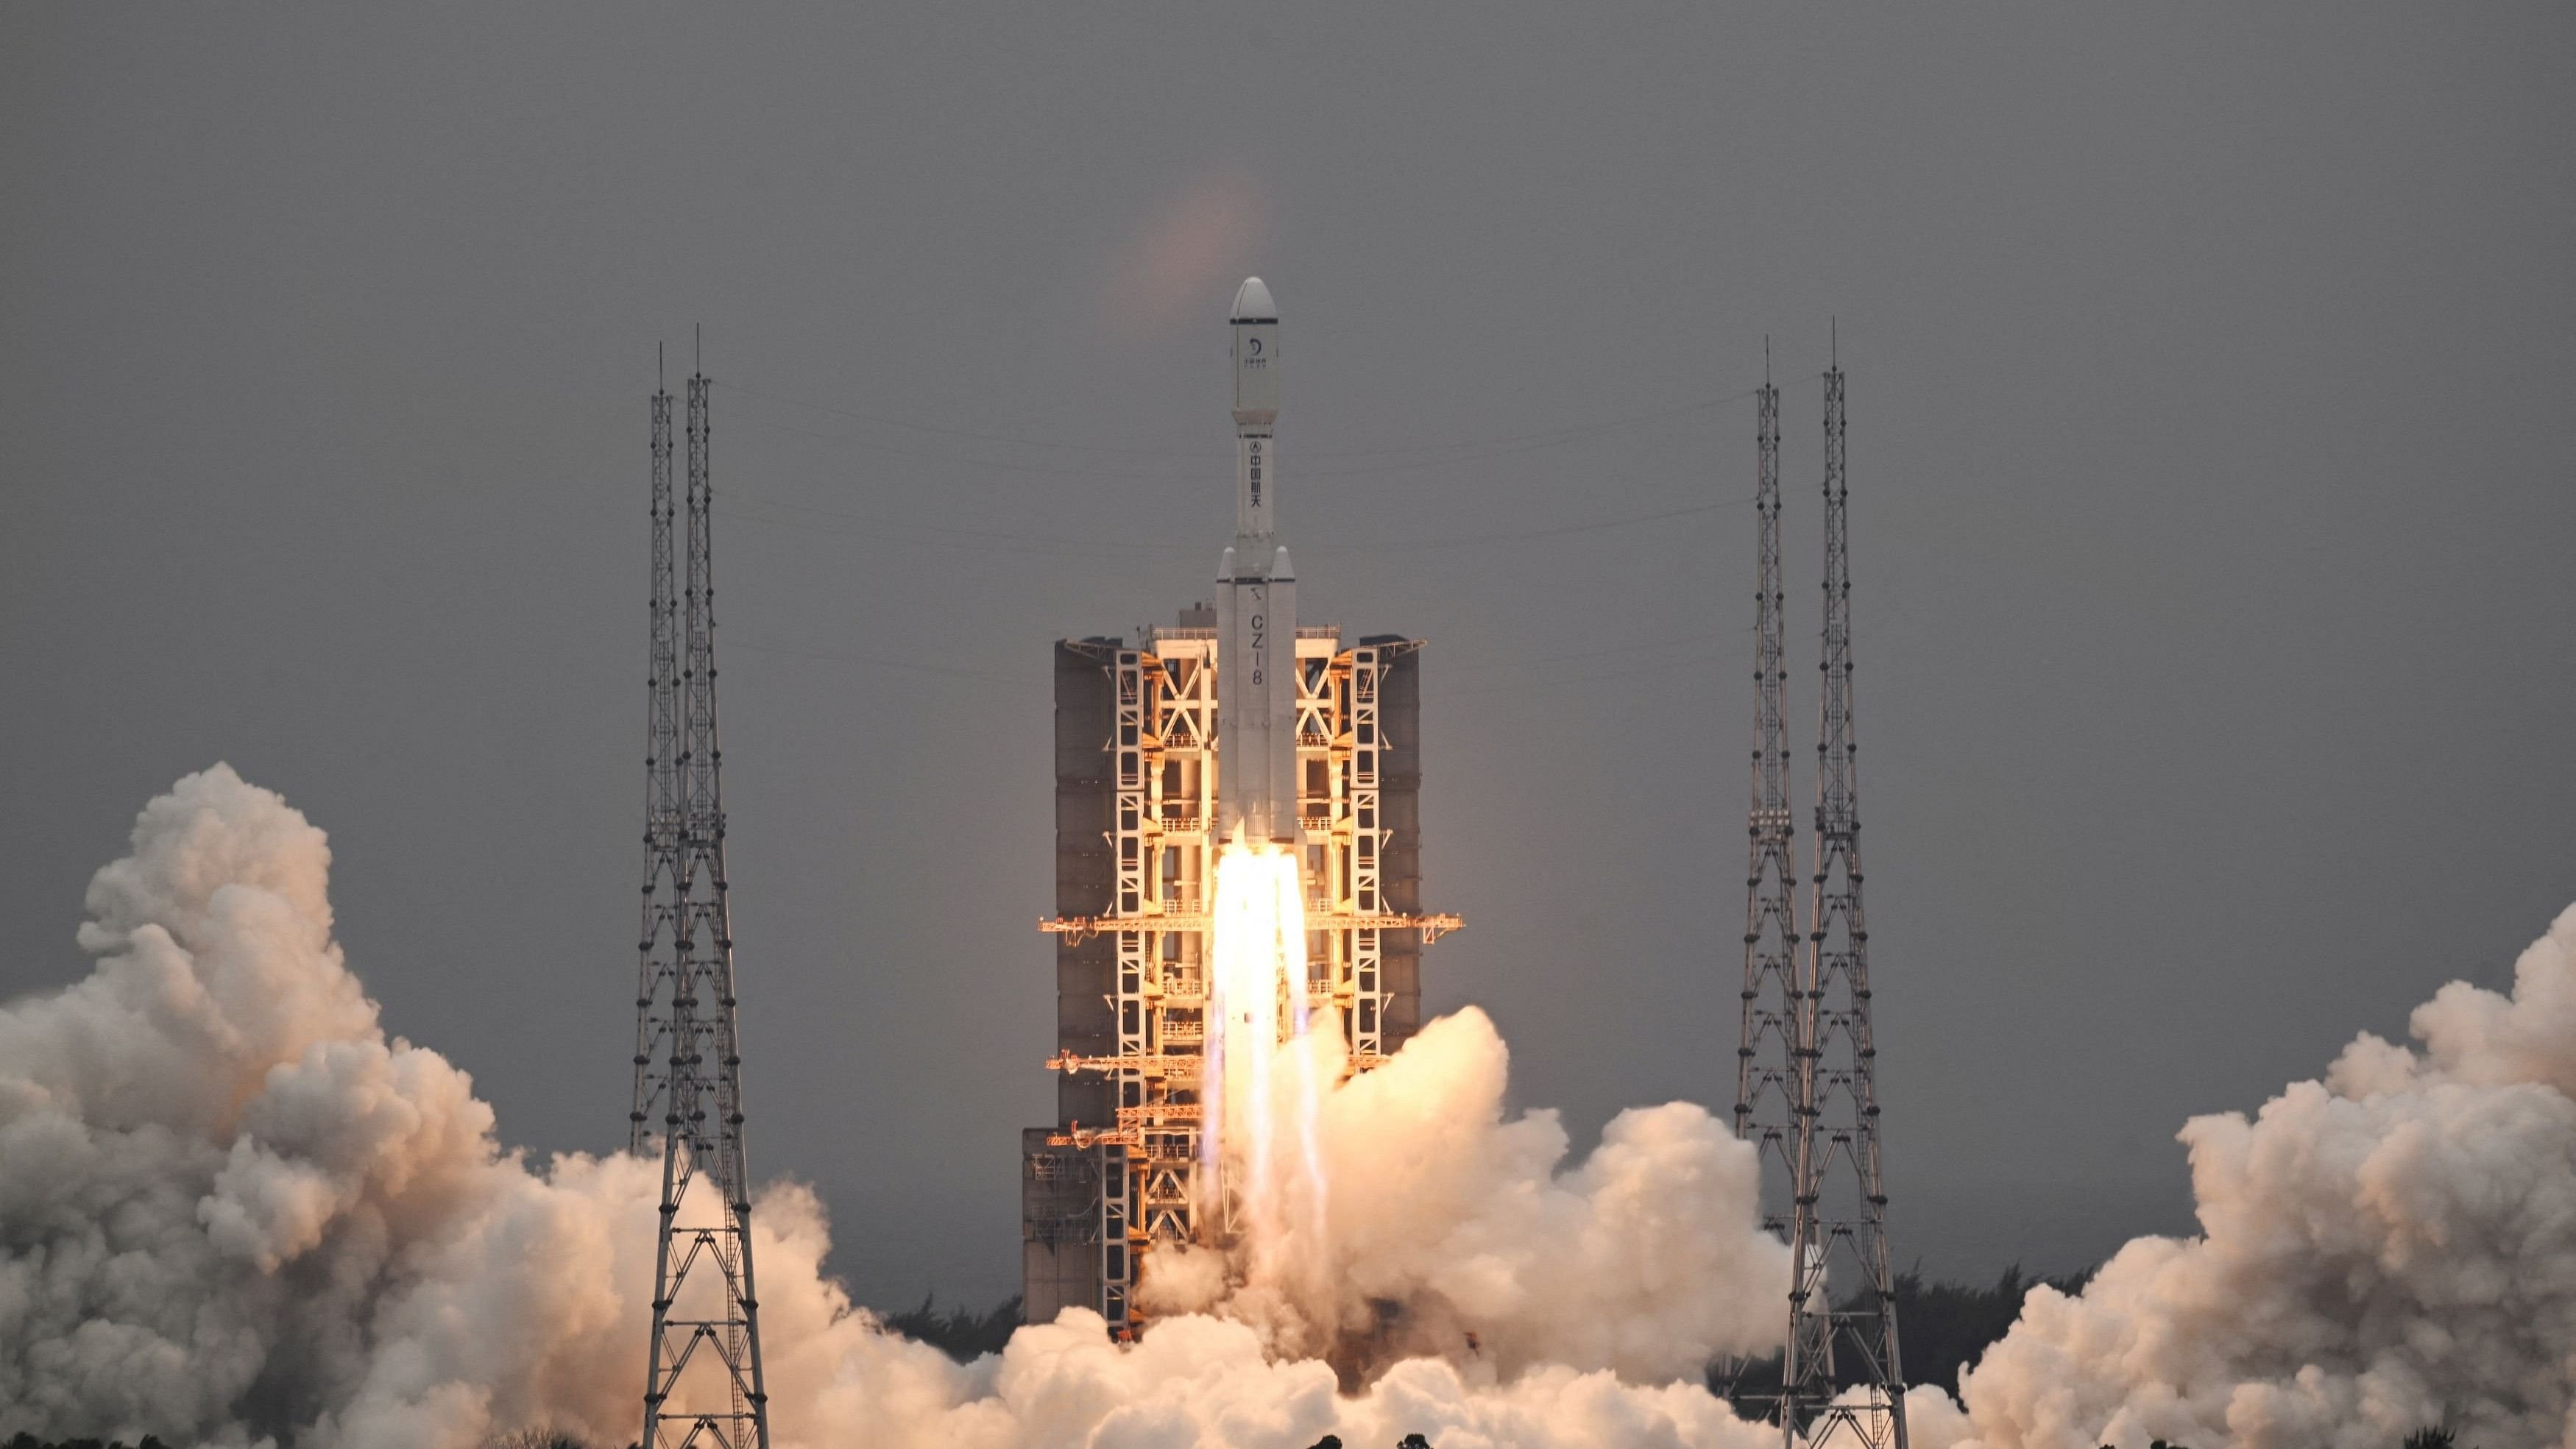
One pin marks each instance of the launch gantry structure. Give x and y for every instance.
(703, 1381)
(1806, 1074)
(1137, 776)
(1235, 724)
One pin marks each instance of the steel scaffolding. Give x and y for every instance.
(1119, 1175)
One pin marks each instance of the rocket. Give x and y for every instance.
(1256, 602)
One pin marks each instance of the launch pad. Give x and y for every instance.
(1166, 747)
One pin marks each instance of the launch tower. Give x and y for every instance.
(1322, 742)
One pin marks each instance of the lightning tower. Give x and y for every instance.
(1841, 1380)
(654, 963)
(1766, 1058)
(703, 1383)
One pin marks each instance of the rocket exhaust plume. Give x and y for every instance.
(1260, 1140)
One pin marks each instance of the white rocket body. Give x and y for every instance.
(1256, 602)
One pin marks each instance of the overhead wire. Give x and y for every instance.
(1674, 643)
(1004, 439)
(1470, 448)
(859, 525)
(1047, 470)
(1551, 681)
(1548, 681)
(873, 661)
(1523, 535)
(950, 535)
(1569, 432)
(1424, 457)
(1056, 542)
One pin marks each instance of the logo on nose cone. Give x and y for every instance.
(1253, 344)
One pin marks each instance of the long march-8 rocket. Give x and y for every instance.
(1256, 602)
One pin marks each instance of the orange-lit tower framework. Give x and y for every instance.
(1141, 811)
(1136, 789)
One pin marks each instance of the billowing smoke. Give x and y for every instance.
(232, 1213)
(1399, 1214)
(1446, 1225)
(2389, 1248)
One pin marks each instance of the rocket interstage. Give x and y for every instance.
(1256, 600)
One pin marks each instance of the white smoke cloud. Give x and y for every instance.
(2391, 1247)
(234, 1213)
(1442, 1219)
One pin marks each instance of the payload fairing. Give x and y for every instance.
(1256, 600)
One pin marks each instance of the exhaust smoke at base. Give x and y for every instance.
(235, 1213)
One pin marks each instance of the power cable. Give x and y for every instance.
(1101, 547)
(1450, 454)
(1491, 665)
(732, 641)
(1552, 681)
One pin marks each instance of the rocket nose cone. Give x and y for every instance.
(1252, 302)
(1280, 568)
(1225, 566)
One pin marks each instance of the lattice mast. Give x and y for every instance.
(1766, 1053)
(704, 1384)
(657, 944)
(1838, 1239)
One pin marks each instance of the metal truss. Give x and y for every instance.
(1367, 1025)
(1432, 926)
(703, 1383)
(1166, 767)
(1766, 1053)
(657, 944)
(1842, 1380)
(1135, 685)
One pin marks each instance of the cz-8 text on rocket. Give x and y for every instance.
(1256, 601)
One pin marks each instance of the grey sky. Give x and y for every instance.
(2213, 460)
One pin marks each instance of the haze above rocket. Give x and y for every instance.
(1256, 601)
